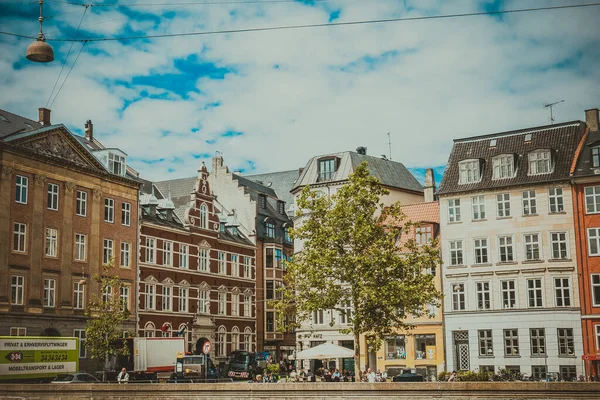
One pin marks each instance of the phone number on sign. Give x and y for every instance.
(54, 357)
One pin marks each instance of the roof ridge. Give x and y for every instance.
(517, 132)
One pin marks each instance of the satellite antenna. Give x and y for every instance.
(550, 105)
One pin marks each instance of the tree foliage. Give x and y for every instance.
(107, 315)
(350, 255)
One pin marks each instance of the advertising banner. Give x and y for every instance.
(25, 357)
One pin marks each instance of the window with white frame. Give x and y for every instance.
(483, 295)
(51, 242)
(125, 253)
(80, 247)
(247, 305)
(50, 293)
(458, 297)
(566, 342)
(19, 237)
(555, 197)
(503, 202)
(81, 203)
(109, 210)
(345, 313)
(486, 343)
(80, 335)
(559, 245)
(221, 263)
(204, 255)
(221, 341)
(469, 171)
(150, 296)
(478, 203)
(596, 290)
(481, 251)
(150, 250)
(456, 252)
(248, 339)
(107, 294)
(21, 193)
(107, 251)
(454, 210)
(203, 216)
(167, 253)
(222, 303)
(78, 295)
(534, 293)
(204, 302)
(116, 164)
(124, 296)
(278, 258)
(503, 166)
(539, 162)
(529, 202)
(532, 246)
(594, 241)
(597, 338)
(126, 214)
(247, 268)
(318, 317)
(53, 196)
(327, 169)
(562, 292)
(509, 294)
(183, 299)
(18, 331)
(235, 338)
(167, 298)
(235, 265)
(595, 157)
(511, 342)
(505, 247)
(17, 290)
(592, 199)
(538, 341)
(235, 304)
(183, 256)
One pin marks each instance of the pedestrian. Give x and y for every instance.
(371, 375)
(123, 376)
(453, 377)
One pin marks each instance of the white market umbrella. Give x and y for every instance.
(325, 351)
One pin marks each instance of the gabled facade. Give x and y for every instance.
(509, 253)
(586, 194)
(63, 215)
(325, 174)
(197, 272)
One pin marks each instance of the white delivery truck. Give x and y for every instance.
(150, 356)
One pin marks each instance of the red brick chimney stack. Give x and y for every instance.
(89, 130)
(44, 116)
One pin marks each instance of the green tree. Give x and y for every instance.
(107, 314)
(351, 256)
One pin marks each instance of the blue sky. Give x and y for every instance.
(269, 101)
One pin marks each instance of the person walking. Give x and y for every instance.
(123, 376)
(453, 377)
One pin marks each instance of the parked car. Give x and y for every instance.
(75, 377)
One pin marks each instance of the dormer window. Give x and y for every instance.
(469, 171)
(262, 201)
(281, 207)
(595, 157)
(116, 164)
(423, 235)
(327, 168)
(539, 162)
(503, 166)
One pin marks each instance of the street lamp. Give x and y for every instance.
(40, 51)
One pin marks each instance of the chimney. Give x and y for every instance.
(217, 164)
(591, 119)
(361, 150)
(300, 170)
(89, 130)
(429, 188)
(44, 116)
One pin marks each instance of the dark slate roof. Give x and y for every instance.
(281, 182)
(180, 192)
(584, 161)
(563, 139)
(160, 219)
(390, 173)
(16, 123)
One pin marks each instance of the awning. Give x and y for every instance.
(325, 351)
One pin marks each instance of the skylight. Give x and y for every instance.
(528, 137)
(3, 118)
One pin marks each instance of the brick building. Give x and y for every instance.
(197, 270)
(67, 206)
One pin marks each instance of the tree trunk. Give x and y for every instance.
(356, 357)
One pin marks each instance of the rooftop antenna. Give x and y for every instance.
(390, 144)
(550, 106)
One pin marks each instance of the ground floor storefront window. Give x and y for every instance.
(395, 348)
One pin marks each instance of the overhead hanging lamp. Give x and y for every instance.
(40, 51)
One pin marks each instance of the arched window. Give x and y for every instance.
(221, 341)
(235, 338)
(248, 339)
(149, 329)
(204, 216)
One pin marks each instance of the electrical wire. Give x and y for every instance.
(189, 3)
(68, 73)
(66, 58)
(305, 26)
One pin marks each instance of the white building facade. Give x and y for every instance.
(509, 259)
